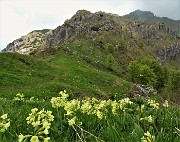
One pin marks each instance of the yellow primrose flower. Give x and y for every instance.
(114, 105)
(34, 110)
(166, 105)
(46, 139)
(7, 125)
(4, 116)
(46, 132)
(20, 138)
(72, 121)
(36, 124)
(99, 114)
(46, 124)
(34, 139)
(148, 137)
(148, 119)
(153, 104)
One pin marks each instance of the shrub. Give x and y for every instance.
(147, 71)
(173, 81)
(142, 74)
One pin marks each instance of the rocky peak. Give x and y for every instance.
(141, 14)
(83, 24)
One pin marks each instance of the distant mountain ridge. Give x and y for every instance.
(148, 16)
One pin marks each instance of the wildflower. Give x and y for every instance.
(46, 125)
(114, 107)
(64, 95)
(166, 105)
(148, 137)
(19, 97)
(153, 104)
(41, 123)
(34, 139)
(4, 123)
(72, 121)
(46, 132)
(148, 119)
(124, 102)
(86, 107)
(36, 124)
(99, 114)
(34, 110)
(4, 116)
(72, 106)
(21, 137)
(46, 139)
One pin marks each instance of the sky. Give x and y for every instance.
(19, 17)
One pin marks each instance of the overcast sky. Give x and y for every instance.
(19, 17)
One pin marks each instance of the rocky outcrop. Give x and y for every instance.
(28, 43)
(83, 24)
(171, 52)
(139, 90)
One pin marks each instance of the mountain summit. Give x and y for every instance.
(141, 15)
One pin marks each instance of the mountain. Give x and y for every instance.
(89, 54)
(148, 16)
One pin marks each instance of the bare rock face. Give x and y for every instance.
(83, 24)
(171, 52)
(28, 43)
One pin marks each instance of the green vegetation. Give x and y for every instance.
(87, 72)
(63, 119)
(44, 78)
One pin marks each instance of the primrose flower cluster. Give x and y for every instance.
(19, 97)
(4, 123)
(101, 108)
(148, 137)
(41, 122)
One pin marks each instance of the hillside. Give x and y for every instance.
(89, 55)
(35, 77)
(98, 77)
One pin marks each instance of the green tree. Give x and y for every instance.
(139, 73)
(157, 70)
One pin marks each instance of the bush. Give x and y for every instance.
(147, 71)
(142, 74)
(173, 80)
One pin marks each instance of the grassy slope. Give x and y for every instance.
(45, 78)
